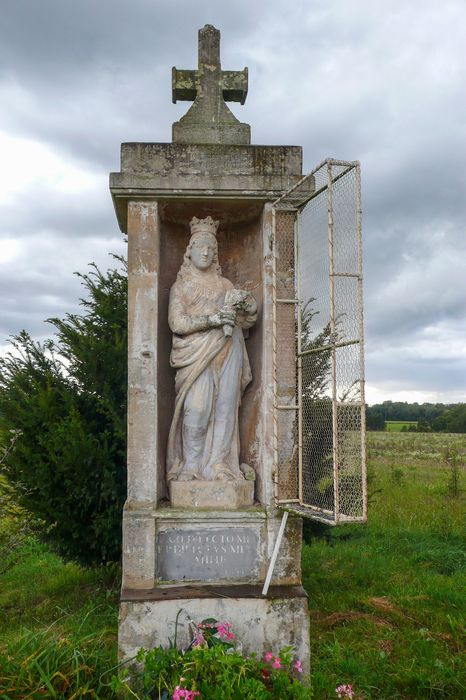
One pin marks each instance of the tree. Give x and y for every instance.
(404, 411)
(374, 419)
(453, 420)
(67, 397)
(317, 447)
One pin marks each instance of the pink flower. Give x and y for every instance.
(297, 666)
(199, 638)
(345, 691)
(277, 663)
(184, 693)
(224, 630)
(268, 656)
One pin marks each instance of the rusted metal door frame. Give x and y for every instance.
(295, 200)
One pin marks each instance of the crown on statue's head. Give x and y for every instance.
(199, 226)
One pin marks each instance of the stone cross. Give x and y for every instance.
(231, 86)
(209, 120)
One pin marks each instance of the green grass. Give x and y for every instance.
(58, 625)
(386, 599)
(396, 426)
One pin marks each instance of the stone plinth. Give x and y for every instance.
(260, 624)
(166, 546)
(212, 494)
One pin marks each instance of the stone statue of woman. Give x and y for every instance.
(207, 317)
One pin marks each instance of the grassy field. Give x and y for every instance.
(386, 599)
(58, 626)
(395, 426)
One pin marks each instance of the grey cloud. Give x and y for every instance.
(72, 216)
(66, 66)
(416, 375)
(40, 283)
(350, 80)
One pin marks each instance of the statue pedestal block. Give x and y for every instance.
(221, 495)
(165, 547)
(211, 563)
(259, 624)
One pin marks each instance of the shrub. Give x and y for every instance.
(67, 397)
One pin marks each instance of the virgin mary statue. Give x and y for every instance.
(207, 317)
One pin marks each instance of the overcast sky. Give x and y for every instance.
(378, 81)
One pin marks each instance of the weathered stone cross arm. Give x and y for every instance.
(234, 85)
(188, 84)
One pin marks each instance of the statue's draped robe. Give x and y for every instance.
(212, 371)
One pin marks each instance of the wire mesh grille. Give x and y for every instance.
(285, 355)
(320, 444)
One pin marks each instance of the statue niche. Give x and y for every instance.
(207, 316)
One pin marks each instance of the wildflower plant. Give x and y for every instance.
(211, 632)
(344, 691)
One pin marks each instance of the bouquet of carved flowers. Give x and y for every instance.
(242, 302)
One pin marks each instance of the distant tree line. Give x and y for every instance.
(436, 417)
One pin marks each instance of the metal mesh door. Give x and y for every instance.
(318, 346)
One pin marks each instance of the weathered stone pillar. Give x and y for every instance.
(143, 230)
(143, 262)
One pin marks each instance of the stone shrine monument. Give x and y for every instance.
(200, 520)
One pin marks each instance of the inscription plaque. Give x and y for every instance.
(209, 554)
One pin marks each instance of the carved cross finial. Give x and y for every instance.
(233, 85)
(209, 120)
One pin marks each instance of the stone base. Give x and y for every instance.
(193, 132)
(206, 546)
(221, 495)
(259, 624)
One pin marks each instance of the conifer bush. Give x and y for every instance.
(66, 400)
